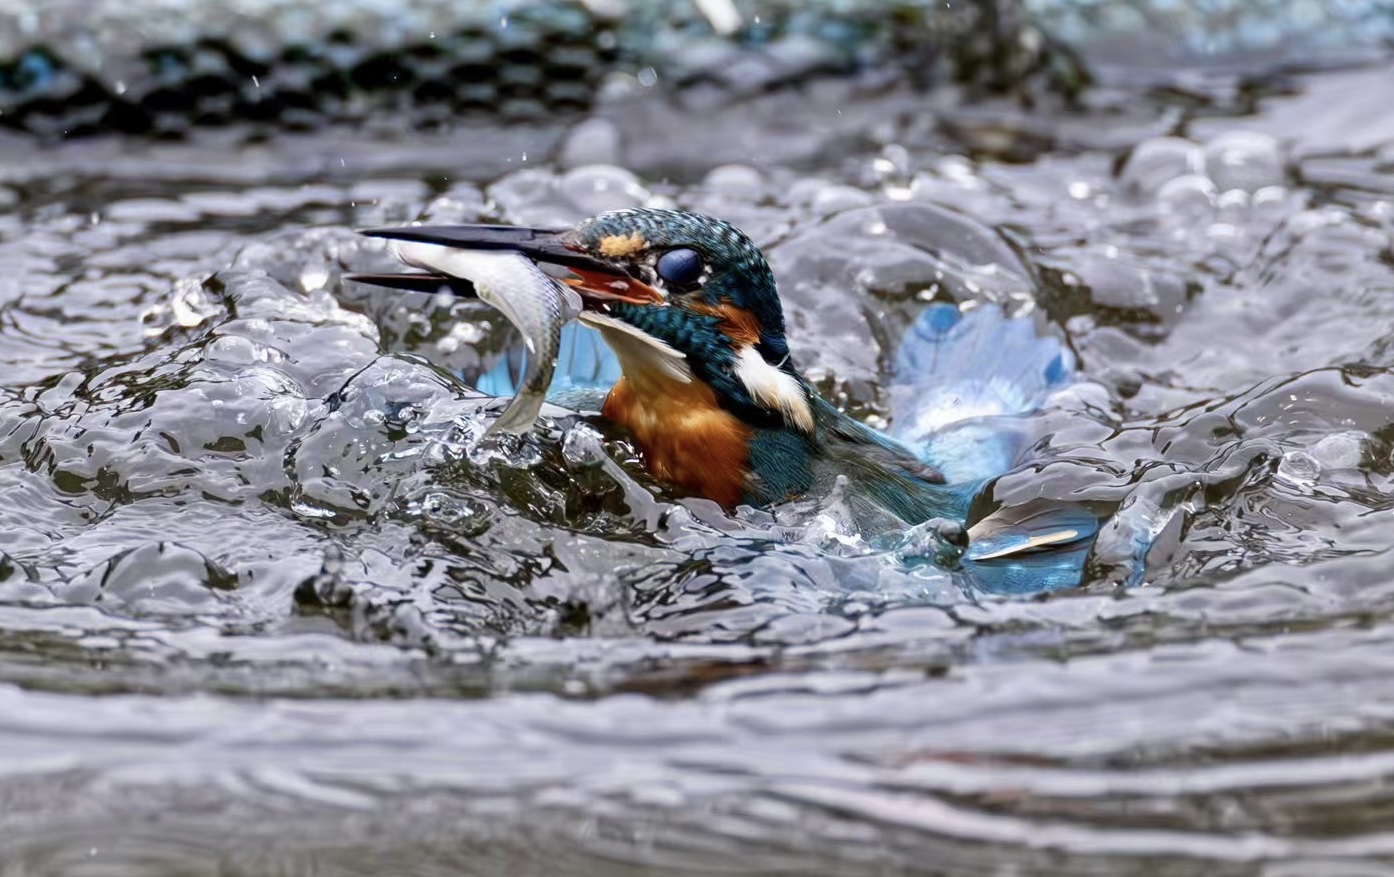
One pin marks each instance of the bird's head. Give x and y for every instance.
(697, 265)
(686, 301)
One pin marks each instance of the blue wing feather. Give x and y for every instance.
(1029, 548)
(586, 370)
(959, 380)
(1035, 526)
(1033, 573)
(962, 384)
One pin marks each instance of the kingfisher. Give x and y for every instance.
(688, 310)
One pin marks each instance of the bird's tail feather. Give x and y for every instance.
(959, 379)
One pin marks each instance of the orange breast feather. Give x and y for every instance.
(686, 438)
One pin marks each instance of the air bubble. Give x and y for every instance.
(1191, 195)
(1244, 160)
(1299, 467)
(1157, 162)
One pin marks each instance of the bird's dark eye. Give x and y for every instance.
(680, 267)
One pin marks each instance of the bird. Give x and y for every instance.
(688, 308)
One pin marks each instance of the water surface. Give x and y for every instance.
(264, 609)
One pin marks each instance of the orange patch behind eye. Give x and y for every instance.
(738, 324)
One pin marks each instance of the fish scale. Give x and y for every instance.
(537, 305)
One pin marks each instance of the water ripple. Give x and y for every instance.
(266, 603)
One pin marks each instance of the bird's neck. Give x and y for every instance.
(686, 437)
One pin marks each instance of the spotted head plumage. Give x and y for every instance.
(693, 259)
(715, 304)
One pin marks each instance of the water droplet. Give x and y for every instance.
(1342, 450)
(583, 447)
(314, 275)
(892, 172)
(190, 305)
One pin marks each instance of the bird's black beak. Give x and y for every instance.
(597, 281)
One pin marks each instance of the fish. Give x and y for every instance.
(534, 302)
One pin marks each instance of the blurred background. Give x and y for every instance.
(265, 608)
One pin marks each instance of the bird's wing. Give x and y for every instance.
(961, 379)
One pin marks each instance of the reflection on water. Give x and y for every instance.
(265, 608)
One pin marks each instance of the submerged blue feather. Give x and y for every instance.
(961, 378)
(963, 382)
(586, 370)
(1034, 526)
(1030, 573)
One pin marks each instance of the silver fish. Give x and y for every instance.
(533, 302)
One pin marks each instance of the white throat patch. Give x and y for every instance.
(774, 388)
(638, 352)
